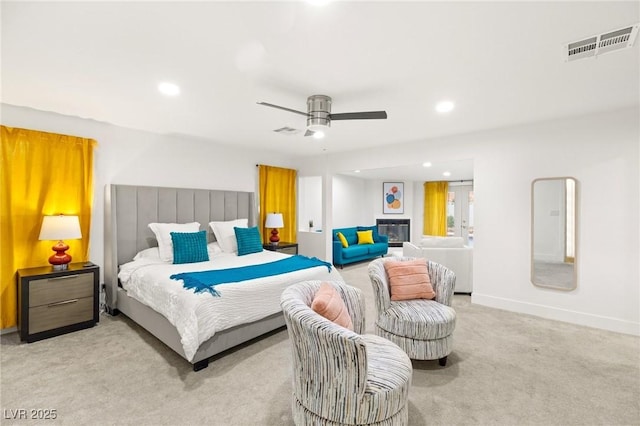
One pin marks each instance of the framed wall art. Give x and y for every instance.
(392, 197)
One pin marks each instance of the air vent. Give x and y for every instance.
(287, 130)
(602, 43)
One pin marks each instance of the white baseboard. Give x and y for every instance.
(8, 330)
(550, 312)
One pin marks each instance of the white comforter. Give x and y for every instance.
(198, 316)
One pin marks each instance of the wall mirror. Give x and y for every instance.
(553, 233)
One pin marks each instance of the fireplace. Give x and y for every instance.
(398, 230)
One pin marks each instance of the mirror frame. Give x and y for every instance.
(575, 237)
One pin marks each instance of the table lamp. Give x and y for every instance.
(274, 220)
(60, 228)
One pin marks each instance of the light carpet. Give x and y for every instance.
(506, 369)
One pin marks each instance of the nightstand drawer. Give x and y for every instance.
(59, 314)
(59, 289)
(53, 302)
(289, 250)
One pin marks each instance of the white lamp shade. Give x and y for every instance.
(274, 220)
(60, 227)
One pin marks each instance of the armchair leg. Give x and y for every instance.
(442, 361)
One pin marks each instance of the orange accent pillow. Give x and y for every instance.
(409, 280)
(328, 303)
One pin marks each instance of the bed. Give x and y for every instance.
(129, 210)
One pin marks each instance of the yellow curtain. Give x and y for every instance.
(40, 174)
(278, 195)
(435, 208)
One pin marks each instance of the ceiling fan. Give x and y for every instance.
(319, 114)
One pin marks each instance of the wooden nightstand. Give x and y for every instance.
(282, 247)
(51, 302)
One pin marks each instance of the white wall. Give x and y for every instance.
(602, 152)
(310, 195)
(350, 202)
(309, 202)
(311, 244)
(358, 202)
(376, 199)
(127, 156)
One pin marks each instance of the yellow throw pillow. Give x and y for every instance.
(342, 239)
(365, 237)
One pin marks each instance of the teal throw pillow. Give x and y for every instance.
(249, 240)
(189, 247)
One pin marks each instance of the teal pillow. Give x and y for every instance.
(189, 247)
(249, 240)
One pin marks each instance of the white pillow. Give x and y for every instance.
(225, 235)
(163, 230)
(154, 253)
(213, 249)
(150, 253)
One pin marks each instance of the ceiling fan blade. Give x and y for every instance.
(368, 115)
(309, 132)
(283, 108)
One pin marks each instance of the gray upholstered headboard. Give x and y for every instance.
(129, 209)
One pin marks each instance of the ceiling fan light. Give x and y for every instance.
(319, 114)
(317, 127)
(319, 130)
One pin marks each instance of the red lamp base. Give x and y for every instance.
(60, 261)
(275, 239)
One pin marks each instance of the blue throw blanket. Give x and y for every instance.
(207, 280)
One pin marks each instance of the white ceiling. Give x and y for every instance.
(459, 170)
(500, 62)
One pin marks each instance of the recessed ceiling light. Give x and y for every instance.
(446, 174)
(356, 171)
(444, 106)
(318, 134)
(168, 89)
(318, 2)
(427, 164)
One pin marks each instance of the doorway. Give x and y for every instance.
(460, 211)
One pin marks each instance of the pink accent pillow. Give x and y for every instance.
(409, 280)
(328, 303)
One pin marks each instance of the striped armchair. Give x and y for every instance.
(422, 328)
(341, 377)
